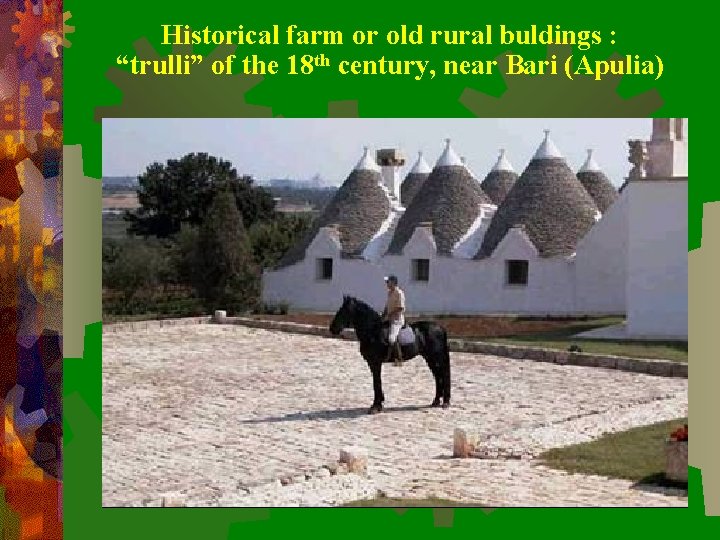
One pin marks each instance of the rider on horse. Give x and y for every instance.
(394, 312)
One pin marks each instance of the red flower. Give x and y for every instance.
(680, 434)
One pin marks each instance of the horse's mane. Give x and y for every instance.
(364, 309)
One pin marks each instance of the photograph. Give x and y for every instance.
(394, 312)
(438, 260)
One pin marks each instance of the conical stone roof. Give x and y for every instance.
(596, 183)
(500, 179)
(449, 198)
(414, 180)
(359, 208)
(548, 202)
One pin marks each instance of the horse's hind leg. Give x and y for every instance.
(445, 369)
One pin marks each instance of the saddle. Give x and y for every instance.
(406, 336)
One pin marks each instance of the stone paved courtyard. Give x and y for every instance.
(218, 414)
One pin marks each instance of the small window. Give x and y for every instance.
(421, 269)
(324, 268)
(517, 272)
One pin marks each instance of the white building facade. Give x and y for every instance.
(630, 260)
(657, 285)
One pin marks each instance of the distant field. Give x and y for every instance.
(123, 201)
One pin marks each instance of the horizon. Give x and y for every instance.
(336, 145)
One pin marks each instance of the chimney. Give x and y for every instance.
(667, 150)
(390, 161)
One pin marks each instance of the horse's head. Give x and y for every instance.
(343, 317)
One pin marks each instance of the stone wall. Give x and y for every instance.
(664, 368)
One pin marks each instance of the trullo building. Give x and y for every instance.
(549, 241)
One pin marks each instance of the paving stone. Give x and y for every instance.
(204, 409)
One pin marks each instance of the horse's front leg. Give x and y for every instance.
(377, 406)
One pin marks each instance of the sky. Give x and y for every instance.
(300, 148)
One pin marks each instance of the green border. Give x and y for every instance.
(104, 31)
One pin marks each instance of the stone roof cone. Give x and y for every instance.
(596, 183)
(450, 199)
(414, 180)
(500, 179)
(548, 202)
(359, 208)
(465, 163)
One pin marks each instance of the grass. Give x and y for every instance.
(114, 226)
(637, 454)
(562, 337)
(386, 502)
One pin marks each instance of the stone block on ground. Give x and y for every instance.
(356, 460)
(676, 453)
(464, 443)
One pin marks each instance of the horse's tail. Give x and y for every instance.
(446, 367)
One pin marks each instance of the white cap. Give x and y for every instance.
(448, 157)
(502, 163)
(547, 149)
(367, 163)
(590, 164)
(421, 166)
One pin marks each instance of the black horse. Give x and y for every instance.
(430, 343)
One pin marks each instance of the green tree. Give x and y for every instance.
(136, 266)
(110, 251)
(184, 256)
(225, 276)
(270, 240)
(181, 191)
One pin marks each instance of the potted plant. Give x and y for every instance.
(676, 451)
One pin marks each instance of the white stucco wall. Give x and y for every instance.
(299, 286)
(657, 259)
(459, 286)
(601, 262)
